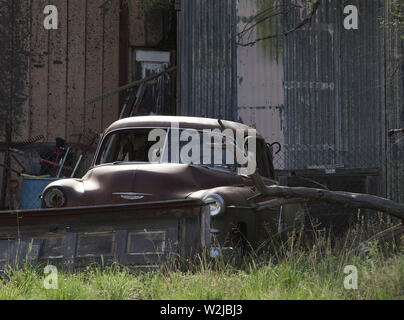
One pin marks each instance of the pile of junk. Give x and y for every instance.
(29, 166)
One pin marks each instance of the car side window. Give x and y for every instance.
(264, 160)
(126, 146)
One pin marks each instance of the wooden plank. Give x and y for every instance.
(21, 48)
(123, 50)
(205, 226)
(137, 36)
(75, 107)
(39, 71)
(94, 64)
(4, 253)
(126, 239)
(70, 250)
(5, 87)
(110, 105)
(95, 243)
(121, 240)
(57, 75)
(7, 69)
(39, 221)
(154, 27)
(171, 248)
(52, 247)
(190, 230)
(146, 242)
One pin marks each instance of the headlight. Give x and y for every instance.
(216, 203)
(54, 198)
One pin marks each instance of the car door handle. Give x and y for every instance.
(132, 195)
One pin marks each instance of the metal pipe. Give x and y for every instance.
(77, 166)
(63, 162)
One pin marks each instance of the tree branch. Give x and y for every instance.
(275, 203)
(307, 20)
(347, 199)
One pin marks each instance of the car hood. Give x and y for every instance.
(110, 184)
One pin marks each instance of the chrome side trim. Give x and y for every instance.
(131, 195)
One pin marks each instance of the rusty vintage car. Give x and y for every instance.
(122, 173)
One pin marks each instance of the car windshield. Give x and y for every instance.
(187, 146)
(174, 146)
(125, 146)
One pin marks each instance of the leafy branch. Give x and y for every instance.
(396, 18)
(273, 12)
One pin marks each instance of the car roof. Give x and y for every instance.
(183, 122)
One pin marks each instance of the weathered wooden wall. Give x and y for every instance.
(53, 72)
(147, 29)
(47, 75)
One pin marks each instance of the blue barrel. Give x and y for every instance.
(32, 190)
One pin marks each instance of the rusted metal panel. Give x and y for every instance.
(141, 235)
(208, 59)
(57, 86)
(76, 68)
(109, 112)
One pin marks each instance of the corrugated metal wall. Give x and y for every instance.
(335, 88)
(208, 58)
(332, 93)
(394, 45)
(260, 71)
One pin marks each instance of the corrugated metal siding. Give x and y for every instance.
(208, 58)
(395, 111)
(260, 72)
(335, 89)
(335, 92)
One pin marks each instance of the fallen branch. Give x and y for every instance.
(347, 199)
(275, 203)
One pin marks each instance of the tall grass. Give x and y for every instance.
(302, 266)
